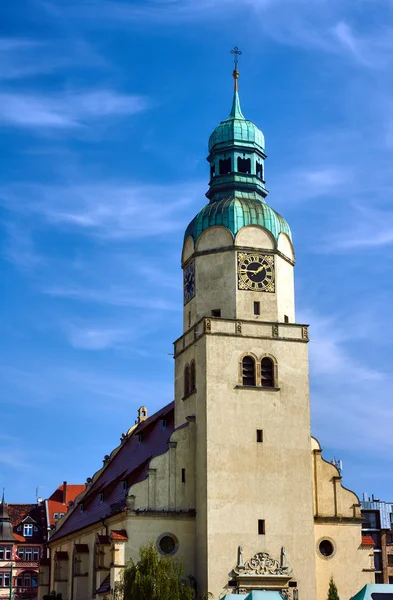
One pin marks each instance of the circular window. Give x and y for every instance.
(326, 548)
(167, 544)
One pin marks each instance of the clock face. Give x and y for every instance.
(255, 272)
(189, 282)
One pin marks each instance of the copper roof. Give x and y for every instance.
(129, 463)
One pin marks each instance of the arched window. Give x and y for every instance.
(244, 165)
(187, 380)
(248, 370)
(225, 166)
(267, 372)
(192, 377)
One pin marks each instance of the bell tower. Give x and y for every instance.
(241, 369)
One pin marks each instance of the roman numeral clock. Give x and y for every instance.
(255, 272)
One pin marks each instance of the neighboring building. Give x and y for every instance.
(378, 523)
(228, 476)
(375, 592)
(22, 539)
(56, 506)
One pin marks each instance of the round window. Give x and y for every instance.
(326, 548)
(167, 543)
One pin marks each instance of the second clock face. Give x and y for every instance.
(189, 282)
(255, 272)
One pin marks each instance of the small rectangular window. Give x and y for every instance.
(163, 424)
(261, 526)
(6, 580)
(8, 553)
(259, 435)
(286, 319)
(124, 485)
(390, 579)
(140, 438)
(390, 560)
(183, 476)
(216, 312)
(28, 553)
(189, 318)
(21, 553)
(27, 530)
(81, 507)
(257, 308)
(102, 497)
(36, 554)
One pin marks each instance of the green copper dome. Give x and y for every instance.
(236, 212)
(237, 189)
(236, 129)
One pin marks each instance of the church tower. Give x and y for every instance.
(241, 370)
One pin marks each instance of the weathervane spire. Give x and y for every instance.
(236, 52)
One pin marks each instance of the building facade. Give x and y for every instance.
(22, 539)
(227, 477)
(378, 524)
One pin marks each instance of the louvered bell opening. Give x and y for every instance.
(267, 372)
(248, 371)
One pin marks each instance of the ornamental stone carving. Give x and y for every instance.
(262, 564)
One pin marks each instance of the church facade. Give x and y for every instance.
(228, 476)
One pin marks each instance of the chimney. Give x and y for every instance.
(64, 492)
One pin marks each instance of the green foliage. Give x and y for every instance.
(153, 577)
(52, 596)
(333, 592)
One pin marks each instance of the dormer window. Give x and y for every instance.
(27, 530)
(244, 165)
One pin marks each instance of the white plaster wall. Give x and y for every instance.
(254, 236)
(247, 481)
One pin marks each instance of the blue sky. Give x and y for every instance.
(105, 112)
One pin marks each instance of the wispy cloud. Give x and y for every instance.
(103, 209)
(65, 111)
(19, 247)
(111, 296)
(304, 184)
(366, 228)
(344, 383)
(320, 25)
(96, 338)
(26, 58)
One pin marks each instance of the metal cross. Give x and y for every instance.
(237, 53)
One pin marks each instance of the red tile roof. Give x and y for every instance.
(120, 535)
(129, 463)
(367, 540)
(28, 513)
(55, 501)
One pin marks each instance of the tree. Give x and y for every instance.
(333, 592)
(153, 577)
